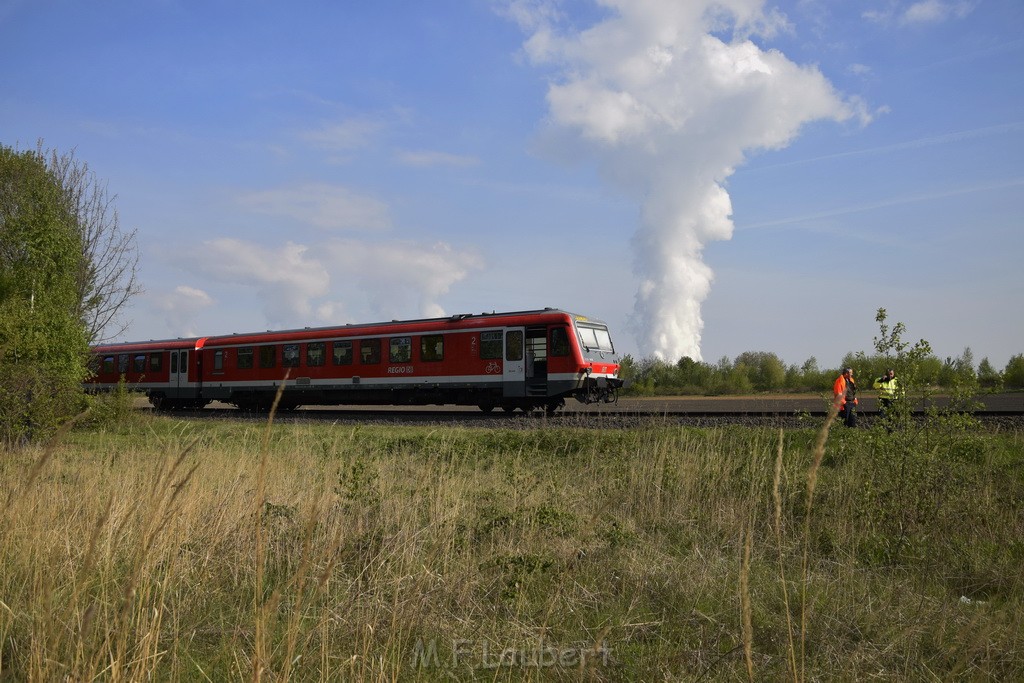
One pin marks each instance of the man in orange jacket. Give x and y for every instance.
(845, 396)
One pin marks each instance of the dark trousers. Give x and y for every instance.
(848, 414)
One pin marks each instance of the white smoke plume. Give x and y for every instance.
(667, 97)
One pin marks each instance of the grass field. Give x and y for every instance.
(161, 549)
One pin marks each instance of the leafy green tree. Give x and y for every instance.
(910, 478)
(988, 376)
(905, 359)
(863, 369)
(1013, 374)
(814, 378)
(957, 370)
(43, 342)
(765, 370)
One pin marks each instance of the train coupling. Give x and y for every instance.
(600, 390)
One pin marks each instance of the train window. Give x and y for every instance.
(315, 353)
(108, 365)
(218, 360)
(432, 347)
(400, 350)
(139, 363)
(588, 338)
(342, 352)
(122, 363)
(174, 362)
(559, 341)
(369, 351)
(243, 359)
(268, 356)
(595, 338)
(156, 362)
(514, 345)
(490, 345)
(290, 356)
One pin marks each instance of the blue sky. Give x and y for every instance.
(708, 177)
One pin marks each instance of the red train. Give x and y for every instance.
(525, 360)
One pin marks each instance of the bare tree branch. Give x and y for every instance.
(107, 277)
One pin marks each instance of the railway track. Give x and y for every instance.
(1000, 412)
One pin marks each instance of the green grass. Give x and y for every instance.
(169, 550)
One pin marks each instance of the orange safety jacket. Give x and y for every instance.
(840, 391)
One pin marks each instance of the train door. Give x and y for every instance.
(514, 367)
(537, 361)
(179, 373)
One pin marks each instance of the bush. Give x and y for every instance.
(35, 403)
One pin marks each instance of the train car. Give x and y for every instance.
(518, 360)
(167, 371)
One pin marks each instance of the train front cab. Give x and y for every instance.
(542, 365)
(600, 382)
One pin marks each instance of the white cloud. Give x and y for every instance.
(667, 99)
(320, 205)
(180, 308)
(285, 279)
(341, 280)
(390, 276)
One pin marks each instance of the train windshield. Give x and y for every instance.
(595, 338)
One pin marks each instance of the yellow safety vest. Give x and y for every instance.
(886, 387)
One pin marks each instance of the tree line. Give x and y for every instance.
(67, 270)
(764, 371)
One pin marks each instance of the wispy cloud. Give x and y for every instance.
(935, 11)
(919, 13)
(433, 158)
(944, 139)
(344, 136)
(882, 204)
(321, 205)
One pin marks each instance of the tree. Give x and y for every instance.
(767, 372)
(905, 359)
(43, 343)
(1013, 374)
(912, 468)
(955, 371)
(988, 376)
(107, 272)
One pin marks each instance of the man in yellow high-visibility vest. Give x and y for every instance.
(887, 392)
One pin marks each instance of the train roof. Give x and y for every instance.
(150, 345)
(459, 320)
(464, 319)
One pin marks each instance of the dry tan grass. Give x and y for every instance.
(305, 552)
